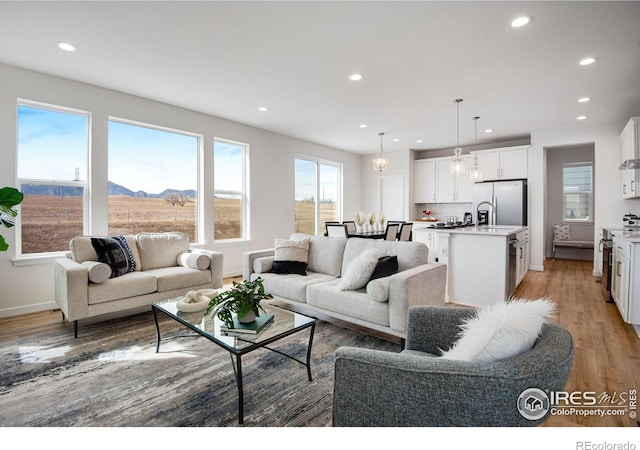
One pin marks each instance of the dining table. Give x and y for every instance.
(367, 234)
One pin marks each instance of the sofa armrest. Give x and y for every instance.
(71, 288)
(249, 257)
(216, 267)
(421, 285)
(431, 329)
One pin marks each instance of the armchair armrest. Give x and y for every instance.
(216, 267)
(71, 288)
(249, 257)
(421, 285)
(434, 328)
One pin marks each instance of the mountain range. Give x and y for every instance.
(112, 189)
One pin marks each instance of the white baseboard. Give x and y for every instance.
(537, 268)
(20, 310)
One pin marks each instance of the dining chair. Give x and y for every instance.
(351, 226)
(336, 230)
(392, 231)
(405, 231)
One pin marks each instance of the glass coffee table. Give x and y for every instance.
(284, 323)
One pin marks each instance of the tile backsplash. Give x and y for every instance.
(441, 210)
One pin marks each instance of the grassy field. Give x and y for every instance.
(49, 222)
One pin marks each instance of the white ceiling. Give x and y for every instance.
(228, 58)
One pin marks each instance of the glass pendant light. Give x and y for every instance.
(475, 174)
(457, 165)
(380, 163)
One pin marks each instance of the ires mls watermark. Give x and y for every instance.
(534, 403)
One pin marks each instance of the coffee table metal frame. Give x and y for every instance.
(247, 345)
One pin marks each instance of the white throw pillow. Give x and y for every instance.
(378, 289)
(562, 232)
(198, 261)
(98, 272)
(359, 271)
(501, 331)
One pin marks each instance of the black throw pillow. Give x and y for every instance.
(114, 251)
(288, 267)
(387, 265)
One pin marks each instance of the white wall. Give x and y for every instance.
(28, 288)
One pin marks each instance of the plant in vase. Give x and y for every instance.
(359, 220)
(371, 219)
(243, 300)
(381, 219)
(9, 197)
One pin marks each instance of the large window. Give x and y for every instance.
(52, 175)
(577, 191)
(153, 179)
(317, 194)
(230, 189)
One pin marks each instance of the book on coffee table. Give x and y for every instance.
(254, 327)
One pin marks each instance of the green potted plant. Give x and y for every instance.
(243, 300)
(9, 197)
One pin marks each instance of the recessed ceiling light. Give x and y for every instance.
(67, 47)
(396, 140)
(363, 125)
(355, 77)
(584, 100)
(587, 61)
(489, 130)
(419, 141)
(263, 109)
(581, 117)
(521, 21)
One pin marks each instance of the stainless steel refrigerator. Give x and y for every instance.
(506, 201)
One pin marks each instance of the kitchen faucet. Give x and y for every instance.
(493, 210)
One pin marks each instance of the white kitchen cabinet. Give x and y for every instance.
(434, 183)
(620, 276)
(424, 185)
(503, 164)
(430, 239)
(630, 149)
(522, 255)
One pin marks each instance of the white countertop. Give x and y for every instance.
(481, 230)
(631, 236)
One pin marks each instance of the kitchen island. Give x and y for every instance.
(484, 263)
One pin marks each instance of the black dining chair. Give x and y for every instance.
(336, 230)
(392, 231)
(351, 226)
(405, 231)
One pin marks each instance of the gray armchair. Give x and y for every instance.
(412, 388)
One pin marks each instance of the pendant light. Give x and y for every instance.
(457, 165)
(475, 174)
(380, 163)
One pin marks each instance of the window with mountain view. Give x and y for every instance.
(153, 179)
(230, 188)
(52, 174)
(317, 194)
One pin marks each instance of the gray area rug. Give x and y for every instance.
(110, 376)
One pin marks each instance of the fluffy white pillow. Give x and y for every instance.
(359, 271)
(501, 331)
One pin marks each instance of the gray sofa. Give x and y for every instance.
(165, 267)
(383, 309)
(415, 388)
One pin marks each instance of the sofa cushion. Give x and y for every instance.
(129, 285)
(98, 272)
(82, 250)
(178, 277)
(115, 252)
(292, 287)
(325, 253)
(198, 261)
(161, 249)
(359, 271)
(501, 330)
(410, 254)
(356, 304)
(290, 256)
(386, 266)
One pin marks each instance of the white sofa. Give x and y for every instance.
(417, 282)
(165, 267)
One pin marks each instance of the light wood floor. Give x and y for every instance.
(607, 350)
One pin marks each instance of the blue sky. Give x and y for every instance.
(306, 180)
(52, 144)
